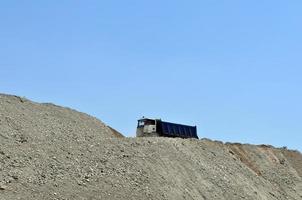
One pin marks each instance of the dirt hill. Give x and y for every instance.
(50, 152)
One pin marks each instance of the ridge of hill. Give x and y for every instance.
(22, 120)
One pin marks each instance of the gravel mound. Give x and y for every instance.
(23, 121)
(50, 152)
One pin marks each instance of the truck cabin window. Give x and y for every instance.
(142, 123)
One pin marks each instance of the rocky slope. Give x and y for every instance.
(50, 152)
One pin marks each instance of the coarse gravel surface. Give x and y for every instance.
(51, 152)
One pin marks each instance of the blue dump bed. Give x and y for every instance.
(178, 130)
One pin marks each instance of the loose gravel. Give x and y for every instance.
(51, 152)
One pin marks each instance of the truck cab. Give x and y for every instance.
(146, 128)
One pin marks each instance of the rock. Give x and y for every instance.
(2, 187)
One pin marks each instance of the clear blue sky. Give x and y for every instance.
(233, 68)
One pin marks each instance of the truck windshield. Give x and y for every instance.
(145, 122)
(141, 123)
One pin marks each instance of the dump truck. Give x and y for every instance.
(147, 127)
